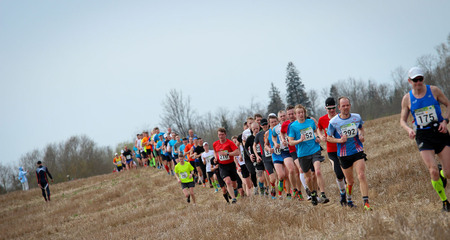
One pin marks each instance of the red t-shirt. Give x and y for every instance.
(228, 146)
(284, 130)
(323, 125)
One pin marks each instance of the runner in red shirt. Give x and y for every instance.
(225, 151)
(330, 106)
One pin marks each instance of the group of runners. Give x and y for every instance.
(279, 155)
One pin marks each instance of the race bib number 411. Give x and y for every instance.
(425, 116)
(350, 130)
(183, 175)
(224, 157)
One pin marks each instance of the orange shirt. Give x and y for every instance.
(186, 150)
(144, 142)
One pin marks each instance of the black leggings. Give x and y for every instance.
(43, 188)
(337, 165)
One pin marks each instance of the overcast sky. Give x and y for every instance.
(102, 68)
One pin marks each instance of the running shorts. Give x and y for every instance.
(187, 185)
(307, 162)
(429, 139)
(228, 170)
(347, 161)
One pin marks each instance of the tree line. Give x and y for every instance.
(79, 157)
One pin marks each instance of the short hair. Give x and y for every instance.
(223, 130)
(279, 112)
(234, 137)
(289, 107)
(199, 138)
(156, 128)
(299, 106)
(250, 118)
(255, 124)
(273, 117)
(39, 162)
(180, 155)
(343, 97)
(257, 115)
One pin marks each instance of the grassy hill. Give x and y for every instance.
(146, 203)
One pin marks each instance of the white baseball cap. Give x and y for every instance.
(415, 72)
(205, 143)
(116, 154)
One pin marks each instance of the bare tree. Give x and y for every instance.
(178, 113)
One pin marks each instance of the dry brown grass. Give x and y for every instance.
(147, 203)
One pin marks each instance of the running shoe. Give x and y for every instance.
(233, 201)
(255, 191)
(367, 206)
(324, 199)
(343, 199)
(273, 192)
(350, 204)
(445, 206)
(308, 193)
(314, 199)
(288, 196)
(261, 191)
(298, 194)
(217, 190)
(444, 180)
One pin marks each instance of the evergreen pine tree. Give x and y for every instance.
(276, 103)
(296, 93)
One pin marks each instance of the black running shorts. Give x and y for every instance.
(228, 170)
(307, 162)
(428, 139)
(347, 161)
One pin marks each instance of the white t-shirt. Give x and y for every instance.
(246, 133)
(207, 156)
(240, 158)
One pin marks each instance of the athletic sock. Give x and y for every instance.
(226, 197)
(280, 186)
(341, 185)
(235, 192)
(261, 185)
(167, 168)
(349, 192)
(365, 199)
(439, 187)
(214, 184)
(303, 180)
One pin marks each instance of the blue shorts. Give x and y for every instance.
(277, 158)
(138, 155)
(128, 161)
(285, 154)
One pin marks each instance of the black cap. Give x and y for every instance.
(39, 162)
(264, 122)
(330, 102)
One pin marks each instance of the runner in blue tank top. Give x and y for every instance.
(432, 137)
(347, 131)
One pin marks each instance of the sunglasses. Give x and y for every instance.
(331, 108)
(417, 79)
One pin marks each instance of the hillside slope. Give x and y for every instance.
(146, 203)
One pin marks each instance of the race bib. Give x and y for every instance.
(258, 148)
(119, 163)
(350, 130)
(183, 175)
(224, 157)
(425, 116)
(308, 132)
(267, 153)
(128, 157)
(277, 151)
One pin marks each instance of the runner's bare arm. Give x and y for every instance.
(442, 99)
(404, 116)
